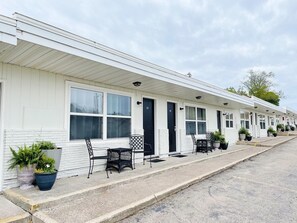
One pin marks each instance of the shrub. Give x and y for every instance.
(242, 130)
(46, 145)
(25, 156)
(45, 165)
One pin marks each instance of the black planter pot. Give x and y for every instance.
(224, 146)
(45, 181)
(248, 138)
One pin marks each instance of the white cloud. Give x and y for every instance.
(217, 41)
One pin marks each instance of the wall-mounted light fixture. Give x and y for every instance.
(138, 102)
(225, 113)
(181, 108)
(251, 113)
(226, 103)
(198, 97)
(137, 83)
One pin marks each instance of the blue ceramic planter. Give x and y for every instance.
(45, 181)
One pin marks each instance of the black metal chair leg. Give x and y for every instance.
(89, 169)
(92, 166)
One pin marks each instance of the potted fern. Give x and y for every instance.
(51, 150)
(25, 160)
(242, 133)
(216, 137)
(45, 173)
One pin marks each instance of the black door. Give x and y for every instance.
(171, 126)
(149, 124)
(219, 121)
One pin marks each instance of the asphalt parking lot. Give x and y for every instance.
(262, 189)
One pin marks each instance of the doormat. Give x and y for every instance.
(156, 160)
(179, 156)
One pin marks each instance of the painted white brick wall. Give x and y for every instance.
(74, 160)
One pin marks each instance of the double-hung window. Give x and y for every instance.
(244, 120)
(86, 114)
(118, 116)
(229, 120)
(195, 120)
(91, 117)
(262, 121)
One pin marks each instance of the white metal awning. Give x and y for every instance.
(48, 48)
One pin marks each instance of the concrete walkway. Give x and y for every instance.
(98, 199)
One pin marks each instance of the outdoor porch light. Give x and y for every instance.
(138, 102)
(226, 103)
(181, 108)
(198, 97)
(225, 113)
(256, 107)
(267, 110)
(251, 113)
(137, 83)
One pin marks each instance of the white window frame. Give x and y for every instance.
(196, 119)
(105, 91)
(229, 120)
(262, 119)
(245, 119)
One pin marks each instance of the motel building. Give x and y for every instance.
(61, 87)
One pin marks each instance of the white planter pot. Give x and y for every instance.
(55, 154)
(26, 176)
(241, 137)
(216, 144)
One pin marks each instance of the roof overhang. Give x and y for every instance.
(266, 107)
(34, 44)
(290, 112)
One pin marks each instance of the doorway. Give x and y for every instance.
(149, 124)
(219, 121)
(171, 125)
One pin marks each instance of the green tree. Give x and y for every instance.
(259, 84)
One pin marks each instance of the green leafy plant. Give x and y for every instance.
(46, 145)
(287, 128)
(45, 165)
(280, 126)
(270, 130)
(242, 130)
(25, 156)
(217, 136)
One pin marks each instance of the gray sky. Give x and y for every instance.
(218, 41)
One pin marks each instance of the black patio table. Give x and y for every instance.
(119, 158)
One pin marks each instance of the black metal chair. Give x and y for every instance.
(210, 140)
(138, 146)
(194, 143)
(92, 157)
(202, 146)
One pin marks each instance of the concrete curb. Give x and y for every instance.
(20, 218)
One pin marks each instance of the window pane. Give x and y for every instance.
(241, 115)
(85, 101)
(227, 124)
(118, 127)
(201, 127)
(190, 128)
(242, 123)
(201, 114)
(231, 116)
(190, 113)
(118, 105)
(231, 124)
(247, 125)
(85, 126)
